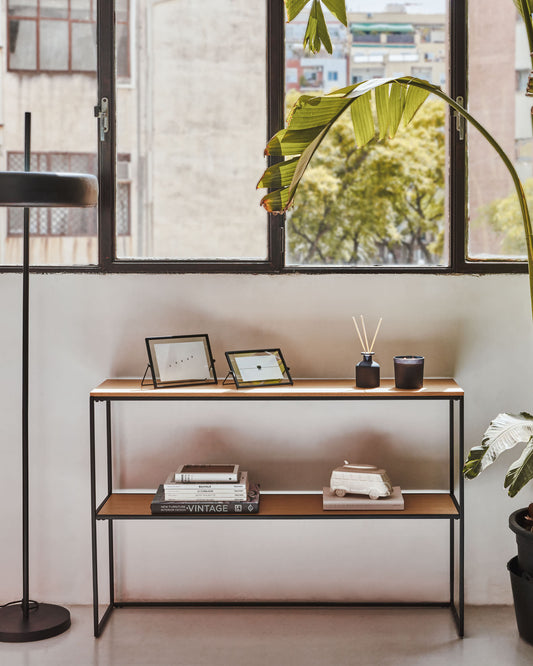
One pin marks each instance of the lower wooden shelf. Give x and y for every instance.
(284, 505)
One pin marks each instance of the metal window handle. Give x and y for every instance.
(102, 113)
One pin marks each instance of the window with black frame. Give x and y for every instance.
(386, 207)
(194, 96)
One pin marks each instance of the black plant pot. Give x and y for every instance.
(522, 584)
(524, 540)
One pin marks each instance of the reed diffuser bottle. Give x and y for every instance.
(367, 370)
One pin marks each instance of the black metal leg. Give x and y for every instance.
(452, 563)
(457, 545)
(100, 624)
(110, 531)
(93, 517)
(451, 460)
(111, 563)
(461, 519)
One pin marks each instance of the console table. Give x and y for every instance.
(447, 504)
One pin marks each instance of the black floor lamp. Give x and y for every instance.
(28, 620)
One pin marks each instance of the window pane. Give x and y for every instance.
(53, 45)
(121, 10)
(22, 7)
(54, 9)
(384, 204)
(22, 44)
(80, 10)
(497, 47)
(123, 50)
(194, 124)
(84, 47)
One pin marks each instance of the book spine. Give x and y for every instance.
(204, 508)
(206, 478)
(219, 497)
(207, 487)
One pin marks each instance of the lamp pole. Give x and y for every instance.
(26, 620)
(25, 383)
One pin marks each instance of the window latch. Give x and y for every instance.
(102, 113)
(459, 120)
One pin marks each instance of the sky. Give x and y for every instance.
(414, 6)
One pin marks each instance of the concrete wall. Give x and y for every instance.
(86, 328)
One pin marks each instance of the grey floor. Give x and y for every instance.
(279, 636)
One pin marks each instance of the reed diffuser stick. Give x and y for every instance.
(376, 333)
(367, 348)
(359, 334)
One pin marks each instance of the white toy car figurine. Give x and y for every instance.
(360, 480)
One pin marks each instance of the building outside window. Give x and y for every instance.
(60, 36)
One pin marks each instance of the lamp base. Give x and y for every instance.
(43, 621)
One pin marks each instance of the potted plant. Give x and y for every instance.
(503, 433)
(397, 100)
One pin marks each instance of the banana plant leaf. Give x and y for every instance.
(316, 33)
(313, 116)
(521, 471)
(525, 7)
(503, 433)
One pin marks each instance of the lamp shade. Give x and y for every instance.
(30, 188)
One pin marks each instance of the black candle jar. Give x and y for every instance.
(367, 372)
(409, 372)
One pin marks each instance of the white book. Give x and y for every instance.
(208, 491)
(171, 484)
(213, 496)
(215, 473)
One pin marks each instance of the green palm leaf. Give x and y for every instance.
(294, 7)
(338, 9)
(312, 117)
(290, 142)
(280, 198)
(362, 120)
(316, 33)
(317, 30)
(524, 4)
(521, 471)
(415, 98)
(278, 173)
(503, 433)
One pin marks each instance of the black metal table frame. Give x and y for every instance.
(454, 603)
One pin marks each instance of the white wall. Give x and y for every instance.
(86, 328)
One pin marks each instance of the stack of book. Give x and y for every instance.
(206, 489)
